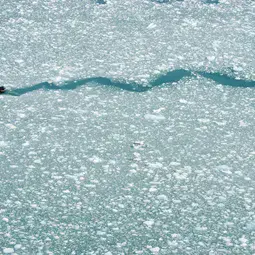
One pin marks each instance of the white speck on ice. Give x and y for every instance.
(243, 241)
(17, 246)
(153, 189)
(162, 197)
(183, 101)
(172, 243)
(155, 250)
(3, 144)
(90, 185)
(21, 115)
(174, 163)
(175, 235)
(242, 123)
(224, 169)
(11, 126)
(228, 241)
(154, 117)
(6, 219)
(251, 226)
(211, 58)
(204, 120)
(159, 110)
(95, 159)
(155, 165)
(151, 26)
(8, 250)
(38, 161)
(26, 143)
(149, 223)
(101, 233)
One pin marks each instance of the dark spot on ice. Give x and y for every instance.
(2, 89)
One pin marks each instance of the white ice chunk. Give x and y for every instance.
(11, 126)
(154, 117)
(8, 250)
(251, 226)
(225, 169)
(155, 165)
(162, 197)
(151, 26)
(149, 223)
(3, 144)
(155, 250)
(17, 246)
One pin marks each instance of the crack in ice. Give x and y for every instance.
(170, 78)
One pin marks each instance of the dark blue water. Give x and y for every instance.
(100, 1)
(168, 78)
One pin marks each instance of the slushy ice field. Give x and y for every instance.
(127, 127)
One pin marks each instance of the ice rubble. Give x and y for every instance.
(131, 40)
(98, 170)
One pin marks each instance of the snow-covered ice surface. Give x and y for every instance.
(103, 170)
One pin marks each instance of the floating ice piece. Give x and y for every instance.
(21, 115)
(174, 163)
(159, 110)
(162, 197)
(243, 241)
(242, 123)
(151, 26)
(155, 250)
(251, 226)
(183, 101)
(204, 120)
(155, 165)
(26, 143)
(8, 250)
(17, 246)
(149, 223)
(137, 156)
(38, 161)
(95, 159)
(11, 126)
(154, 117)
(153, 189)
(101, 233)
(225, 169)
(3, 144)
(90, 185)
(211, 58)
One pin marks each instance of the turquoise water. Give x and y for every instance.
(168, 78)
(89, 166)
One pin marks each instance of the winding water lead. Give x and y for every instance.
(168, 78)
